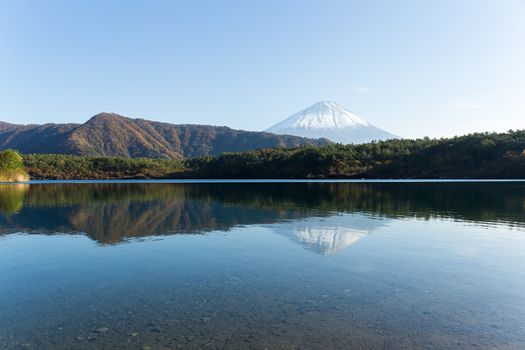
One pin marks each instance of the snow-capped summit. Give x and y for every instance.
(322, 115)
(332, 121)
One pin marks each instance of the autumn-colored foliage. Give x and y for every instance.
(480, 155)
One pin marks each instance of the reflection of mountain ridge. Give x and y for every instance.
(114, 221)
(110, 213)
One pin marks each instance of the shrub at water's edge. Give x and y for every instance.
(12, 167)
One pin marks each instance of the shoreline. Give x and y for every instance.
(191, 181)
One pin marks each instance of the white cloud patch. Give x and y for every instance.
(361, 89)
(464, 105)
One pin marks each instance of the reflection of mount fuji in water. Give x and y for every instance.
(325, 217)
(332, 234)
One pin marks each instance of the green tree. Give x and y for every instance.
(12, 167)
(10, 160)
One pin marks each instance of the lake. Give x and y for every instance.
(307, 265)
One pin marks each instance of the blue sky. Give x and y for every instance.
(415, 68)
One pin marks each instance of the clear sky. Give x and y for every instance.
(414, 68)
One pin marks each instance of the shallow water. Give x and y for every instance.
(238, 266)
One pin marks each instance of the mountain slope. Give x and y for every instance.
(46, 138)
(332, 121)
(5, 126)
(108, 134)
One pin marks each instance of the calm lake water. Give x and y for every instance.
(277, 266)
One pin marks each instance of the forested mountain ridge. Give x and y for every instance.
(475, 156)
(109, 134)
(479, 155)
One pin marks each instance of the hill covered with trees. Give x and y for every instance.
(481, 155)
(112, 135)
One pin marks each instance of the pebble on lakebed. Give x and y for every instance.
(102, 329)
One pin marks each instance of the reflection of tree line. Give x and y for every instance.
(109, 212)
(462, 201)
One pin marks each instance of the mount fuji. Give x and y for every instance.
(332, 121)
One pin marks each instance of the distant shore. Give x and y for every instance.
(475, 156)
(261, 181)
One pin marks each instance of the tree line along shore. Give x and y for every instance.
(480, 155)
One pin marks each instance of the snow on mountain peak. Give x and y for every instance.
(332, 121)
(322, 115)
